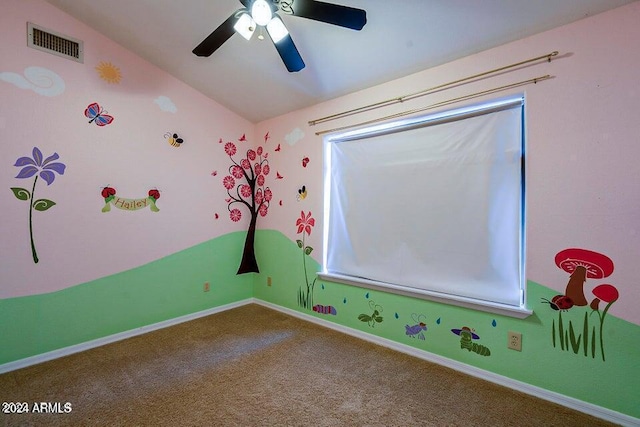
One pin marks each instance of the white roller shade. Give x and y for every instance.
(434, 204)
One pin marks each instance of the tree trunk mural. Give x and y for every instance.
(245, 186)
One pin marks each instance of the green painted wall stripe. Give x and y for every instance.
(163, 289)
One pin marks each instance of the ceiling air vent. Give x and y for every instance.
(57, 44)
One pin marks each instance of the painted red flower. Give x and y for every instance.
(268, 195)
(245, 190)
(230, 148)
(237, 172)
(264, 209)
(258, 196)
(260, 180)
(259, 151)
(228, 182)
(265, 170)
(251, 155)
(235, 215)
(305, 223)
(257, 168)
(245, 164)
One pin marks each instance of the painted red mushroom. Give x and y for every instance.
(582, 264)
(605, 292)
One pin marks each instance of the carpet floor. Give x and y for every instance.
(253, 366)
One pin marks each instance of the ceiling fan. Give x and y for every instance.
(263, 14)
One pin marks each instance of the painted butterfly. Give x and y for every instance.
(305, 161)
(277, 148)
(97, 115)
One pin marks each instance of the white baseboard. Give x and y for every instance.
(569, 402)
(66, 351)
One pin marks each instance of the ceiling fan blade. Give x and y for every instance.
(289, 54)
(335, 14)
(217, 37)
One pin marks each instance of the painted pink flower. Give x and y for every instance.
(265, 170)
(259, 151)
(260, 180)
(263, 210)
(305, 223)
(251, 155)
(268, 195)
(228, 182)
(237, 172)
(258, 196)
(257, 168)
(235, 215)
(245, 190)
(230, 148)
(245, 164)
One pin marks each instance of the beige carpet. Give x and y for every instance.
(253, 366)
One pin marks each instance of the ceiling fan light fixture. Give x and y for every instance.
(276, 29)
(245, 26)
(261, 12)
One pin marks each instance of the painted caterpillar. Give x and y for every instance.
(466, 341)
(325, 309)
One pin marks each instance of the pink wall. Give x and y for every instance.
(75, 240)
(582, 144)
(582, 139)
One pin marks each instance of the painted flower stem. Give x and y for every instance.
(604, 313)
(33, 246)
(309, 297)
(304, 264)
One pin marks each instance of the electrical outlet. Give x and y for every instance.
(206, 287)
(514, 341)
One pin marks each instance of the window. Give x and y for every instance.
(431, 207)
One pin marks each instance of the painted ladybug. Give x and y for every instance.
(559, 302)
(154, 193)
(108, 191)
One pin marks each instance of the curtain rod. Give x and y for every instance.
(440, 104)
(426, 91)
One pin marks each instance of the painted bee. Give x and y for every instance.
(174, 139)
(302, 193)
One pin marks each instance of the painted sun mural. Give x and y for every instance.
(109, 72)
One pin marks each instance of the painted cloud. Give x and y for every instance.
(294, 136)
(40, 80)
(166, 104)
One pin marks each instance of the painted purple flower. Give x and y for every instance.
(31, 166)
(40, 168)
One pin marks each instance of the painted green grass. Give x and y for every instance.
(163, 289)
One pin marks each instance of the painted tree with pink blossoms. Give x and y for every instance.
(246, 188)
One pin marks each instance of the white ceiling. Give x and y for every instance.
(401, 37)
